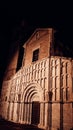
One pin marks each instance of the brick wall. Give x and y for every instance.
(42, 42)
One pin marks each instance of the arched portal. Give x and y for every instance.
(32, 97)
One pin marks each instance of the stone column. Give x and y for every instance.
(30, 112)
(10, 110)
(46, 114)
(22, 107)
(15, 112)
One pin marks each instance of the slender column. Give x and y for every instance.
(18, 107)
(22, 107)
(25, 113)
(41, 114)
(46, 114)
(10, 112)
(30, 112)
(15, 112)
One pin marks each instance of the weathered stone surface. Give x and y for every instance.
(46, 83)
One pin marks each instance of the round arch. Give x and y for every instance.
(32, 92)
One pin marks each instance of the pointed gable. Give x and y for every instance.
(41, 39)
(38, 33)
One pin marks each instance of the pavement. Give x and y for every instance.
(7, 125)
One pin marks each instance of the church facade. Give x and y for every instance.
(40, 92)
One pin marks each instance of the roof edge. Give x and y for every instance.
(37, 29)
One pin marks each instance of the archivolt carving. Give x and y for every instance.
(33, 90)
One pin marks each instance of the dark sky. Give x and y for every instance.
(44, 14)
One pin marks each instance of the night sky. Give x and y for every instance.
(58, 15)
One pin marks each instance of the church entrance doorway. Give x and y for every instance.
(35, 118)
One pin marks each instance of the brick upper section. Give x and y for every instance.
(42, 39)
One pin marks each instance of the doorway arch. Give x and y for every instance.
(32, 96)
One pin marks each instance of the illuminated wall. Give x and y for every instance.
(40, 93)
(34, 83)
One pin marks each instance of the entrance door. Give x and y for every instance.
(35, 113)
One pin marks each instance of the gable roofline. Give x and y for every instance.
(38, 29)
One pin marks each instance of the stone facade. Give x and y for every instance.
(41, 92)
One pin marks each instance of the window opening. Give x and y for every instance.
(35, 55)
